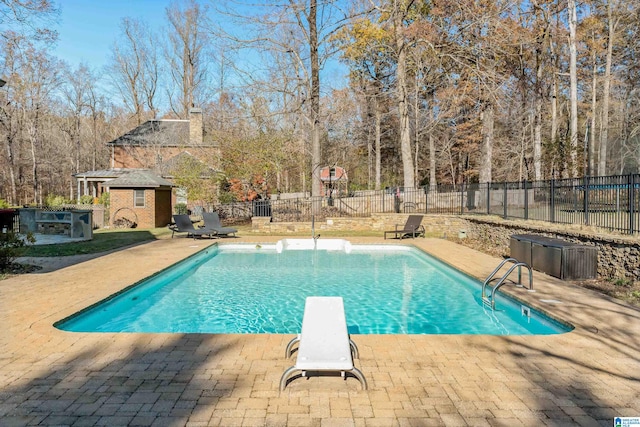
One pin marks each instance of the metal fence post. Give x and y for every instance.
(504, 201)
(462, 198)
(488, 184)
(632, 214)
(586, 200)
(426, 199)
(552, 200)
(526, 200)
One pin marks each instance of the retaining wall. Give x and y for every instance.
(618, 256)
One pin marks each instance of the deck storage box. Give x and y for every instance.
(556, 257)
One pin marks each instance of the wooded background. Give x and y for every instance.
(398, 92)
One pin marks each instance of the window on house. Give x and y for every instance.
(138, 198)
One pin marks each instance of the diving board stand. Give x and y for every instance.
(324, 343)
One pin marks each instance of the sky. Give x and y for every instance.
(89, 28)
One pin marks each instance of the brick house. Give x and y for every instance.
(156, 146)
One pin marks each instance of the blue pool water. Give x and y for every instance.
(248, 289)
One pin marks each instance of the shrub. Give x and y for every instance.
(104, 199)
(53, 200)
(226, 197)
(622, 282)
(181, 209)
(11, 247)
(86, 200)
(3, 204)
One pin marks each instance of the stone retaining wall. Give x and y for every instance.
(435, 225)
(618, 256)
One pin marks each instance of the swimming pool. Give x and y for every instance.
(243, 288)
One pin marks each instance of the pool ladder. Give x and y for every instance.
(488, 299)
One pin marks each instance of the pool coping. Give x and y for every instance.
(583, 377)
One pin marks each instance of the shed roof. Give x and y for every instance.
(138, 179)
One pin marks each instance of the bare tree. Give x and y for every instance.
(292, 38)
(39, 77)
(30, 18)
(185, 56)
(75, 92)
(134, 68)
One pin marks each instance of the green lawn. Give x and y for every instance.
(103, 240)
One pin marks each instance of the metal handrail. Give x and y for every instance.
(493, 273)
(490, 298)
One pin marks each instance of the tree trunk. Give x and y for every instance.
(537, 118)
(604, 135)
(316, 183)
(573, 76)
(370, 137)
(403, 101)
(33, 135)
(432, 162)
(487, 144)
(12, 173)
(554, 104)
(594, 98)
(416, 125)
(378, 136)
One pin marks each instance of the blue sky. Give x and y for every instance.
(88, 28)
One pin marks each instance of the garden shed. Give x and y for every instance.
(140, 199)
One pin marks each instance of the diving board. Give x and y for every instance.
(324, 343)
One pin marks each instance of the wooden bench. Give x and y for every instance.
(324, 343)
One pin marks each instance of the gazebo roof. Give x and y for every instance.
(103, 174)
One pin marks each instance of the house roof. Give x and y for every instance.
(138, 179)
(157, 132)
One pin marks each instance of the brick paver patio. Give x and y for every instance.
(51, 377)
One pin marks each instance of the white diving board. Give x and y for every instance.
(325, 345)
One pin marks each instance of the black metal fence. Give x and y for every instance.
(611, 202)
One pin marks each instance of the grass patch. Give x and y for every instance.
(103, 241)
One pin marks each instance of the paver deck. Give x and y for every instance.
(51, 377)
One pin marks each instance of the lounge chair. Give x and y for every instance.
(213, 225)
(412, 228)
(183, 224)
(324, 343)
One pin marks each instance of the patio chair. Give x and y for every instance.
(183, 224)
(213, 225)
(412, 228)
(325, 345)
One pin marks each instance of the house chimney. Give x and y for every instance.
(195, 126)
